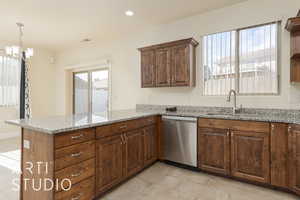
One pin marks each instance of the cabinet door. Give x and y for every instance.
(180, 66)
(279, 154)
(213, 150)
(294, 163)
(134, 151)
(148, 68)
(295, 44)
(163, 70)
(109, 162)
(250, 156)
(150, 145)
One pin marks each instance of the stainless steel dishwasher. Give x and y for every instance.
(180, 139)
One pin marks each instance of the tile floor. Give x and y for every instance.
(165, 182)
(9, 168)
(159, 182)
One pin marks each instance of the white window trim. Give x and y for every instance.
(279, 35)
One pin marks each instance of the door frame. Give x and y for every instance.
(89, 71)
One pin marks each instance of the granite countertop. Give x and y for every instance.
(58, 124)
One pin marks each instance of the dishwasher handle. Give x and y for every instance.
(176, 118)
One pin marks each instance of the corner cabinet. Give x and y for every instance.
(171, 64)
(293, 26)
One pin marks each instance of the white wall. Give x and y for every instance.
(42, 91)
(42, 83)
(126, 91)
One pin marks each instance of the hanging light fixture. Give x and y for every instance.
(16, 51)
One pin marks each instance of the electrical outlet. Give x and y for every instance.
(26, 144)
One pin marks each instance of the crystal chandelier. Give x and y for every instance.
(16, 51)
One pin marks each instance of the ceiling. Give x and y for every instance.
(58, 24)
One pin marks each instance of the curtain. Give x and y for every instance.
(9, 81)
(25, 111)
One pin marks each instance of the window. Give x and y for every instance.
(244, 60)
(9, 81)
(91, 91)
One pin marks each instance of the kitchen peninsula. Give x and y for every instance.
(97, 152)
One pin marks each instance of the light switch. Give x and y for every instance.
(26, 144)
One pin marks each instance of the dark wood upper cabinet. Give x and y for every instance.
(250, 156)
(174, 64)
(148, 71)
(293, 26)
(214, 150)
(182, 73)
(294, 158)
(163, 70)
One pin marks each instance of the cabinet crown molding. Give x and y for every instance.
(191, 41)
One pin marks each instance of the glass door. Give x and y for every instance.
(91, 91)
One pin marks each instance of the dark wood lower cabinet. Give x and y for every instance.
(110, 162)
(134, 151)
(124, 154)
(279, 154)
(214, 150)
(150, 145)
(294, 159)
(250, 156)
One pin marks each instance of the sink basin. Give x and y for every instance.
(231, 114)
(219, 113)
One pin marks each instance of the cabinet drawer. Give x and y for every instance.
(74, 154)
(234, 125)
(114, 129)
(103, 131)
(84, 190)
(75, 173)
(74, 137)
(149, 120)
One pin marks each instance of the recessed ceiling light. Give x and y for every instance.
(129, 13)
(86, 40)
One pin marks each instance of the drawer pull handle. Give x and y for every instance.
(77, 174)
(77, 137)
(122, 127)
(76, 154)
(79, 195)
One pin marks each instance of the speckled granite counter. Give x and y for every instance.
(58, 124)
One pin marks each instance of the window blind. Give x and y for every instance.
(219, 63)
(9, 81)
(244, 60)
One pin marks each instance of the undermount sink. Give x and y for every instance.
(231, 114)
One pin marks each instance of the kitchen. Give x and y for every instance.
(215, 103)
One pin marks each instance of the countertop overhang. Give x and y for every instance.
(59, 124)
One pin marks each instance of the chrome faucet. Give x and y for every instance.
(234, 108)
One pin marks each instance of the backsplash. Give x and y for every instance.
(207, 109)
